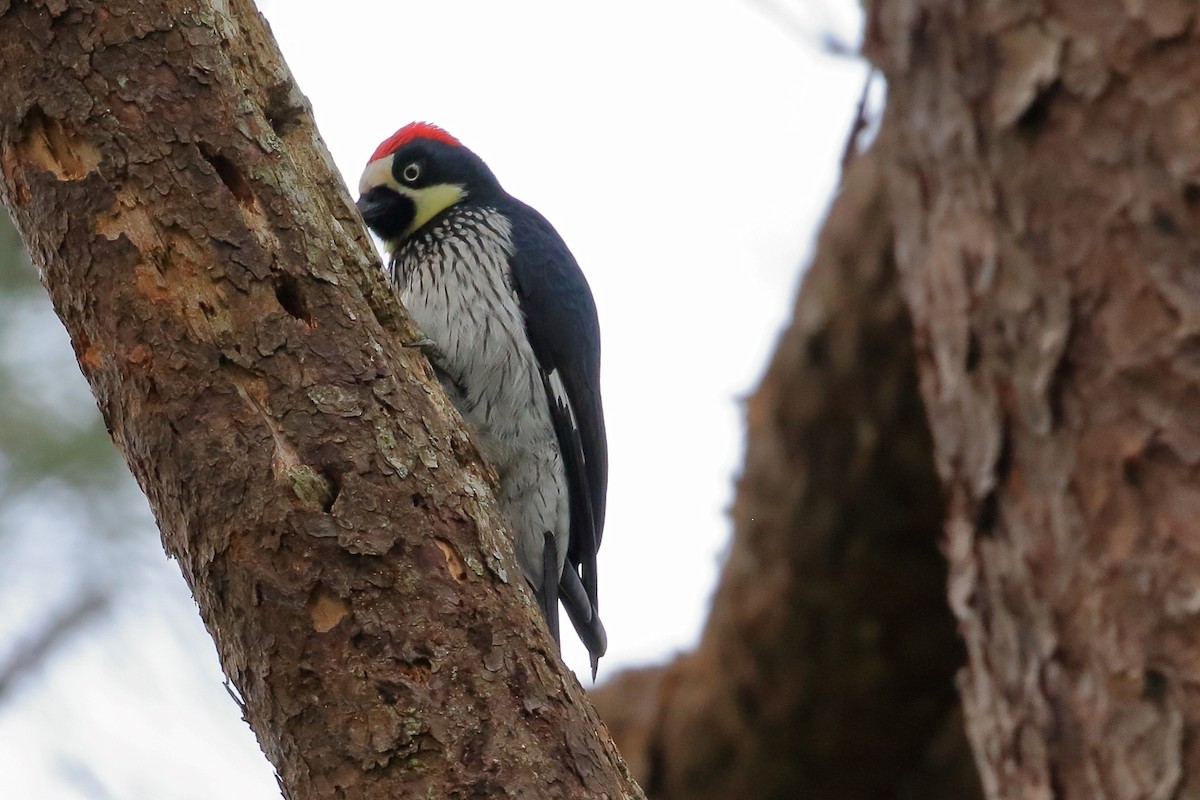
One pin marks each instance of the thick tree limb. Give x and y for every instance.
(826, 668)
(1048, 215)
(322, 500)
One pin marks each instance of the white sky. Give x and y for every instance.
(685, 151)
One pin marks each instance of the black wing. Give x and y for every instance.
(560, 318)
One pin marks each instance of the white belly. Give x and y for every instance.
(454, 281)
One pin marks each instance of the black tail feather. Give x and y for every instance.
(548, 597)
(584, 617)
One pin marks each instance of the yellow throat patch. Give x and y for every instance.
(429, 201)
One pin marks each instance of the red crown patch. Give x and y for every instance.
(411, 131)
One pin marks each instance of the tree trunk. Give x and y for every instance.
(826, 668)
(1046, 182)
(319, 493)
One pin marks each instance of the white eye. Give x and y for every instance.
(411, 172)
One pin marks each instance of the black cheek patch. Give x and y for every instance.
(386, 212)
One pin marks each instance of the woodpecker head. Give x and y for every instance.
(416, 174)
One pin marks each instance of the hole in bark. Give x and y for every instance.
(368, 644)
(1057, 386)
(291, 299)
(230, 175)
(919, 38)
(974, 351)
(1057, 789)
(335, 488)
(1154, 687)
(1164, 223)
(419, 670)
(1004, 459)
(1131, 471)
(389, 692)
(454, 562)
(56, 146)
(284, 108)
(476, 745)
(1191, 196)
(987, 515)
(480, 636)
(1035, 117)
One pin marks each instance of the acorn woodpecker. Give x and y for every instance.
(510, 327)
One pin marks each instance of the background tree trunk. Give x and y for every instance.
(318, 492)
(1046, 182)
(826, 668)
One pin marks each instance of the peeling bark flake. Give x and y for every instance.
(1029, 63)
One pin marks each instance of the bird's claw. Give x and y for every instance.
(423, 342)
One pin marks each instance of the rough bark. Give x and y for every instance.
(1047, 187)
(826, 668)
(320, 497)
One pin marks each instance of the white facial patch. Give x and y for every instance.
(377, 173)
(429, 201)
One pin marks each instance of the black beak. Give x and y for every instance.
(386, 212)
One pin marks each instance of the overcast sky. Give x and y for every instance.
(685, 151)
